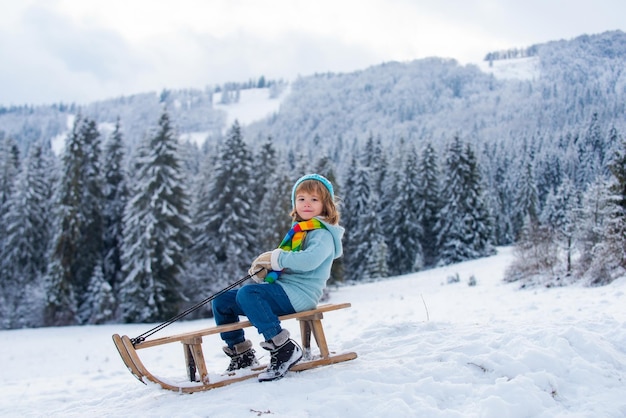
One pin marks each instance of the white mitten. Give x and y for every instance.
(262, 263)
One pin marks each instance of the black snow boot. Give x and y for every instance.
(241, 356)
(285, 353)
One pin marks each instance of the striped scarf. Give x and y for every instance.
(293, 241)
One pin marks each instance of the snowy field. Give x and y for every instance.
(426, 348)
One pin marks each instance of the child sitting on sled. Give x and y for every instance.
(291, 279)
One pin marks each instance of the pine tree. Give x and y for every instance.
(502, 196)
(480, 222)
(77, 243)
(229, 224)
(156, 231)
(609, 255)
(390, 190)
(23, 257)
(274, 211)
(560, 214)
(61, 279)
(550, 175)
(372, 245)
(526, 196)
(429, 203)
(617, 167)
(464, 225)
(591, 155)
(272, 196)
(90, 246)
(201, 262)
(595, 212)
(451, 235)
(100, 302)
(115, 193)
(405, 250)
(9, 167)
(349, 216)
(358, 214)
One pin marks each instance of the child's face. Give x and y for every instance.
(308, 205)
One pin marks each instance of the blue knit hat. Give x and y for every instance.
(317, 177)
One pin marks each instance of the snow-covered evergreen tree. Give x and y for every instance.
(275, 209)
(375, 159)
(156, 231)
(549, 175)
(27, 236)
(595, 211)
(404, 240)
(115, 193)
(609, 255)
(560, 214)
(480, 222)
(100, 301)
(358, 212)
(391, 188)
(464, 225)
(272, 190)
(229, 223)
(591, 154)
(90, 249)
(372, 245)
(526, 196)
(429, 203)
(500, 178)
(9, 167)
(62, 280)
(201, 262)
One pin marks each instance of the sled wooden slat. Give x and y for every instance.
(310, 324)
(128, 361)
(193, 348)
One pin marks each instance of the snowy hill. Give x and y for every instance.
(427, 348)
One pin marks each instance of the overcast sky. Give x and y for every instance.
(84, 50)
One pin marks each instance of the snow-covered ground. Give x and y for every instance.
(427, 348)
(253, 105)
(526, 68)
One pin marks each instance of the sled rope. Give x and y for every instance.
(198, 305)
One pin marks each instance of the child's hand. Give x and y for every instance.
(256, 275)
(262, 262)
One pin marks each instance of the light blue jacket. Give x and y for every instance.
(305, 272)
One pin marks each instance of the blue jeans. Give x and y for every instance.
(261, 303)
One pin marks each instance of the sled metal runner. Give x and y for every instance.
(197, 373)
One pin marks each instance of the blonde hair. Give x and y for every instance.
(329, 207)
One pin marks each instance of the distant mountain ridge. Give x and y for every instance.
(559, 87)
(434, 99)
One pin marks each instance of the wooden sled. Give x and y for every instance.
(310, 323)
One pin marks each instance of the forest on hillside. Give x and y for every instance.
(434, 163)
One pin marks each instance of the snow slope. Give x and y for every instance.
(426, 348)
(526, 68)
(253, 105)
